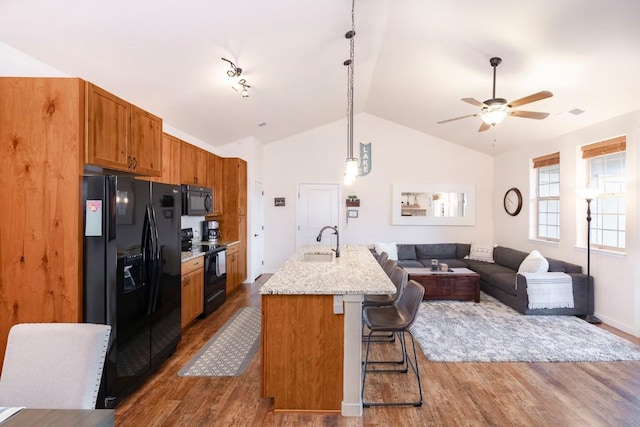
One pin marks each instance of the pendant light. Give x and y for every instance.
(351, 165)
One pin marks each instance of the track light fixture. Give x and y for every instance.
(233, 71)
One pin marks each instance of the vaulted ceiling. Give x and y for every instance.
(414, 61)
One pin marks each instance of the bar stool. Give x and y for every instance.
(382, 258)
(397, 319)
(389, 266)
(399, 278)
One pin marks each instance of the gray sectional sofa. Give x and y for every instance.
(498, 279)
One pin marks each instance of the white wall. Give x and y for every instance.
(616, 277)
(14, 63)
(399, 156)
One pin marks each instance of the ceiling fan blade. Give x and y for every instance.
(529, 114)
(484, 126)
(531, 98)
(456, 118)
(473, 101)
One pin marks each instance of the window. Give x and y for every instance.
(606, 171)
(547, 197)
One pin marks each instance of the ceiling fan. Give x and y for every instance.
(494, 110)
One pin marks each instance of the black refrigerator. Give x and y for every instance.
(131, 274)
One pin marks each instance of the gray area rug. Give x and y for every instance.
(457, 331)
(230, 350)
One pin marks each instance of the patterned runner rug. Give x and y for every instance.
(457, 331)
(230, 350)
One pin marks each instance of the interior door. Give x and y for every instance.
(257, 225)
(318, 205)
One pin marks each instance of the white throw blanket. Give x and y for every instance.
(549, 290)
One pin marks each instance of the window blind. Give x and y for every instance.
(548, 160)
(609, 146)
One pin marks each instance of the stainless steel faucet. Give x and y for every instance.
(335, 231)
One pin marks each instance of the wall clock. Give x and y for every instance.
(513, 201)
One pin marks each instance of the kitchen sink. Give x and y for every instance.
(317, 257)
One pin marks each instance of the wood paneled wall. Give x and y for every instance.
(41, 151)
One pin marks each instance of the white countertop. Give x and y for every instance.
(355, 272)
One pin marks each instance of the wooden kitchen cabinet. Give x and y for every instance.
(215, 180)
(233, 268)
(192, 290)
(302, 344)
(121, 136)
(42, 127)
(242, 248)
(171, 147)
(235, 179)
(193, 165)
(233, 222)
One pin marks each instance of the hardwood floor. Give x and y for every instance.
(455, 394)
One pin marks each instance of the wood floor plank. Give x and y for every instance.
(455, 394)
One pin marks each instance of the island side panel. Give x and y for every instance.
(302, 352)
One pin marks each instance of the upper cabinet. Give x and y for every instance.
(171, 147)
(193, 165)
(235, 179)
(215, 180)
(122, 136)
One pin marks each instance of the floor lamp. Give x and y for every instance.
(590, 317)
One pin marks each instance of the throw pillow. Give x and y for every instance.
(481, 252)
(534, 263)
(390, 248)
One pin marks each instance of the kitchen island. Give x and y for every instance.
(312, 326)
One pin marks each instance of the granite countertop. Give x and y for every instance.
(189, 255)
(355, 272)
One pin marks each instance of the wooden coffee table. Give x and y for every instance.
(458, 284)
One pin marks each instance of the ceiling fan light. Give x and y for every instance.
(493, 117)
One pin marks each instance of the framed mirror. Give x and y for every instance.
(433, 204)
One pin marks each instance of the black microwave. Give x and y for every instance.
(196, 201)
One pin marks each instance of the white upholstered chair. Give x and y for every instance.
(54, 365)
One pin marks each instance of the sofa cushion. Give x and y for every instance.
(436, 250)
(481, 252)
(486, 270)
(534, 263)
(390, 248)
(462, 250)
(505, 281)
(406, 252)
(508, 257)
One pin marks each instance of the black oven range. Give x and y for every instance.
(215, 271)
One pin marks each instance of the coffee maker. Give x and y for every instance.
(211, 231)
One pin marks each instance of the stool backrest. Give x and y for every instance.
(409, 302)
(389, 266)
(382, 258)
(399, 277)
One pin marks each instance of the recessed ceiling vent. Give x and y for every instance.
(576, 111)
